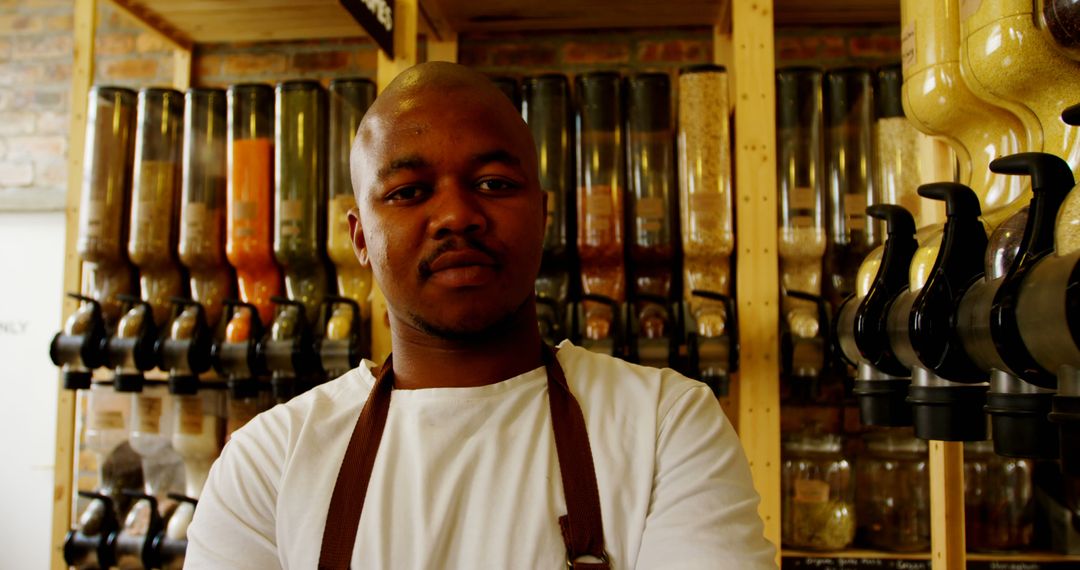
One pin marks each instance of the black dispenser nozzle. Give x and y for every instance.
(948, 390)
(341, 355)
(78, 354)
(293, 360)
(882, 389)
(188, 356)
(700, 349)
(132, 355)
(81, 548)
(239, 362)
(1051, 181)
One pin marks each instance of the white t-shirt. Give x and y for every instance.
(469, 477)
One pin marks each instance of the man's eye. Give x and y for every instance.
(404, 194)
(496, 185)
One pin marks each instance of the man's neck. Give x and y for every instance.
(422, 360)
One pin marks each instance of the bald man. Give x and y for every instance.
(475, 445)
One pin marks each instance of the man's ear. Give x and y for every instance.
(357, 234)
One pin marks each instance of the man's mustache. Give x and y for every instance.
(452, 244)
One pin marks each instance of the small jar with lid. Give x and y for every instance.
(817, 490)
(999, 500)
(892, 501)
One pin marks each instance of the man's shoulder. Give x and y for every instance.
(601, 379)
(327, 404)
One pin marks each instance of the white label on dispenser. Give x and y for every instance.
(149, 414)
(105, 419)
(855, 211)
(195, 218)
(650, 208)
(598, 204)
(802, 198)
(706, 203)
(95, 223)
(811, 491)
(191, 415)
(907, 45)
(245, 210)
(968, 8)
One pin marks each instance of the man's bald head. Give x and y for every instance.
(439, 84)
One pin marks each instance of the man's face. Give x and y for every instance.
(451, 215)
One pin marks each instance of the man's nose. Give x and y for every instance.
(456, 210)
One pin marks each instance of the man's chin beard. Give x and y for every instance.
(472, 333)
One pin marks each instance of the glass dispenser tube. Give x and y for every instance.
(202, 204)
(651, 155)
(349, 100)
(546, 107)
(897, 160)
(801, 177)
(705, 203)
(300, 167)
(1007, 62)
(156, 198)
(104, 203)
(849, 114)
(600, 198)
(249, 202)
(977, 131)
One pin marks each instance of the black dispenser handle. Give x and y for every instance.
(1071, 115)
(732, 324)
(933, 324)
(871, 318)
(1051, 182)
(617, 334)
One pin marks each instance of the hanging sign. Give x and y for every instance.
(377, 19)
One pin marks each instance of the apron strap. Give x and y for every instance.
(582, 527)
(347, 502)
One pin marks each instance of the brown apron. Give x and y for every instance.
(582, 526)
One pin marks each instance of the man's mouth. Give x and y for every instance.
(459, 267)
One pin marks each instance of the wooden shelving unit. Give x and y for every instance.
(743, 40)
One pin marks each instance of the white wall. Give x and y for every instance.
(31, 282)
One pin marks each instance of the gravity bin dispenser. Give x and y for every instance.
(547, 109)
(948, 391)
(299, 237)
(597, 320)
(653, 328)
(80, 347)
(881, 380)
(710, 324)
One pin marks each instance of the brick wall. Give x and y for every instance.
(36, 52)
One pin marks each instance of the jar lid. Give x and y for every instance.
(814, 443)
(895, 441)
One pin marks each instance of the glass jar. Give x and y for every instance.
(999, 500)
(601, 161)
(817, 493)
(546, 107)
(892, 501)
